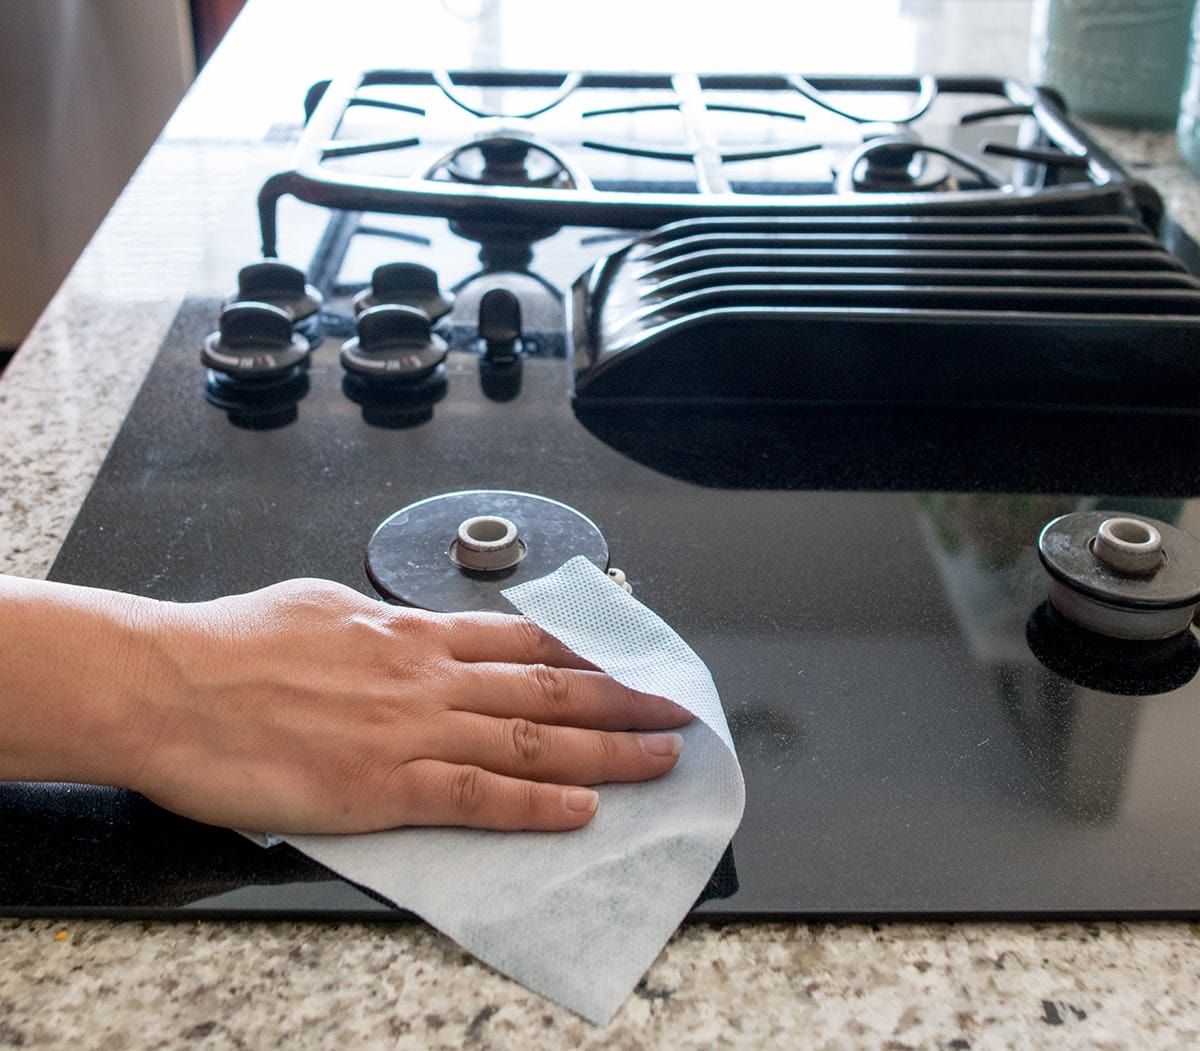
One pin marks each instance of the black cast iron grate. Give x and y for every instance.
(638, 150)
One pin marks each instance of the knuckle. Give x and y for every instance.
(553, 685)
(532, 795)
(608, 746)
(530, 740)
(529, 638)
(411, 625)
(466, 790)
(629, 700)
(450, 629)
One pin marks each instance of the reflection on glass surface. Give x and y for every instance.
(1065, 692)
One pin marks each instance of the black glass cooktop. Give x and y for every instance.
(920, 734)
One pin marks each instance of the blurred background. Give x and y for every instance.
(85, 88)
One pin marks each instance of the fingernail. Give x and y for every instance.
(581, 800)
(661, 744)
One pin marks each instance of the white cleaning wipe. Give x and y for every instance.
(576, 916)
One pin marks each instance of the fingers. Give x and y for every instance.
(558, 754)
(441, 793)
(562, 696)
(513, 668)
(508, 639)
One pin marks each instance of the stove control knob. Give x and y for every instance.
(500, 326)
(254, 341)
(393, 345)
(280, 285)
(407, 284)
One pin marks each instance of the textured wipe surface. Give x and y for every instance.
(583, 609)
(577, 916)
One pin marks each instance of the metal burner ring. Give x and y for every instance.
(848, 181)
(504, 155)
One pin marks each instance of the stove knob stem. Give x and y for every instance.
(500, 326)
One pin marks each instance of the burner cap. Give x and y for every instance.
(893, 159)
(1122, 575)
(508, 158)
(417, 557)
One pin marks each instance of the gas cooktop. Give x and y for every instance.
(893, 329)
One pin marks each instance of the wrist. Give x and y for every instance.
(74, 693)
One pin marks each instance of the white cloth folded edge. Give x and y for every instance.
(577, 916)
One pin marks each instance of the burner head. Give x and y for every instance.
(435, 554)
(1121, 575)
(508, 159)
(893, 159)
(511, 160)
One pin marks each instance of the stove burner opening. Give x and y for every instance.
(486, 544)
(1128, 545)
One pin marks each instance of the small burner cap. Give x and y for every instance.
(1122, 575)
(458, 551)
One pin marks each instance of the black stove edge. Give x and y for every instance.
(715, 917)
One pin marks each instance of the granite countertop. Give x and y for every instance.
(100, 983)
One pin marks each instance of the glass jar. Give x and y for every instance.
(1116, 61)
(1189, 104)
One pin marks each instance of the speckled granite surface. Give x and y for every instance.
(114, 985)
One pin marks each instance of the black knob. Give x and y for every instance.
(279, 284)
(406, 284)
(394, 345)
(500, 326)
(254, 341)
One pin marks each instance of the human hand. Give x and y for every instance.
(306, 707)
